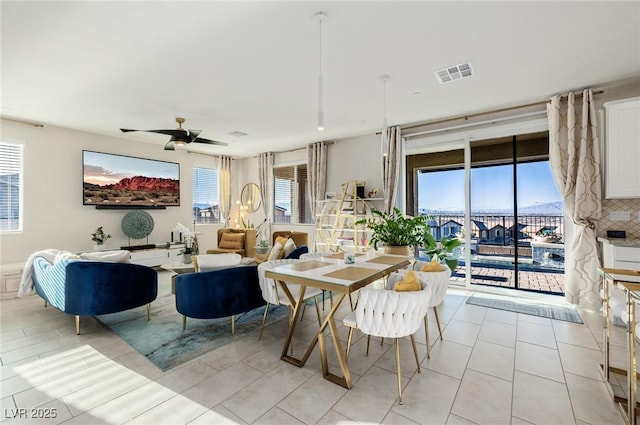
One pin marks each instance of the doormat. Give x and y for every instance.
(530, 307)
(165, 344)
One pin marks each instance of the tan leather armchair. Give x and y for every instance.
(299, 238)
(248, 248)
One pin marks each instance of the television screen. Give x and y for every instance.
(114, 181)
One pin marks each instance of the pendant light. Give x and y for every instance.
(385, 140)
(320, 17)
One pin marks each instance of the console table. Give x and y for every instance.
(155, 257)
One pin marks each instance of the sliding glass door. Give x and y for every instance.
(512, 223)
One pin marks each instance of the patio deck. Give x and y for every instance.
(528, 280)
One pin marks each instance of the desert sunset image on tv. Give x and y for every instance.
(125, 181)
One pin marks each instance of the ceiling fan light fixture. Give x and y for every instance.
(180, 136)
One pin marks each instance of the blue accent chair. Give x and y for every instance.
(218, 293)
(89, 288)
(297, 252)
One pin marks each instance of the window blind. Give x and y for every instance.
(206, 198)
(11, 159)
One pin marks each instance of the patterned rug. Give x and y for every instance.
(525, 306)
(162, 339)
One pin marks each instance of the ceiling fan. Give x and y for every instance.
(180, 136)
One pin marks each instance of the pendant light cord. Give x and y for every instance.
(320, 82)
(384, 111)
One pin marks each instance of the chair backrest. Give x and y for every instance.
(269, 287)
(50, 280)
(208, 262)
(217, 293)
(438, 281)
(299, 251)
(250, 239)
(310, 255)
(299, 238)
(391, 314)
(86, 287)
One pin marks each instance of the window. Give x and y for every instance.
(291, 203)
(206, 201)
(11, 157)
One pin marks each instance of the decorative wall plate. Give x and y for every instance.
(137, 224)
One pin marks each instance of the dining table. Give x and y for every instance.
(331, 273)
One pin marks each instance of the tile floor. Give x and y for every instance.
(493, 367)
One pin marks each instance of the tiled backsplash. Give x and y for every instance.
(632, 227)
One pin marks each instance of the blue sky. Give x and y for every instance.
(491, 187)
(102, 168)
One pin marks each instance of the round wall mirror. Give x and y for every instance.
(250, 197)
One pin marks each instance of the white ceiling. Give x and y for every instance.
(253, 66)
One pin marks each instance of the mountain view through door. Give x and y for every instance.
(516, 226)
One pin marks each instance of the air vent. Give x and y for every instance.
(455, 72)
(238, 134)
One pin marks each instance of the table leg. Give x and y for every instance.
(294, 319)
(345, 380)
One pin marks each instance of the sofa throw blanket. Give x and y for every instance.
(26, 283)
(27, 286)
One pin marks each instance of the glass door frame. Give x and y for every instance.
(444, 140)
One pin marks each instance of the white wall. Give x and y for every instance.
(355, 158)
(54, 216)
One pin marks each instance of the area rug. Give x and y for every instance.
(165, 344)
(531, 307)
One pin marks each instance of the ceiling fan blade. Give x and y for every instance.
(210, 142)
(175, 132)
(193, 134)
(170, 146)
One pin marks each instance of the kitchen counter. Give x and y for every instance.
(632, 242)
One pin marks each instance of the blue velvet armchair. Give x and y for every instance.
(218, 293)
(88, 288)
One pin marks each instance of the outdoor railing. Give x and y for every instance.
(492, 229)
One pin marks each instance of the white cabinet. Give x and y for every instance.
(622, 149)
(621, 257)
(158, 256)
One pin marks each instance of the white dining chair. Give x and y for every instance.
(439, 282)
(389, 314)
(273, 293)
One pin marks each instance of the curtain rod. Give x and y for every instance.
(330, 142)
(496, 111)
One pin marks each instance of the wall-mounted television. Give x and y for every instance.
(119, 181)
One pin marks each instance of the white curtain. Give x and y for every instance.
(574, 154)
(391, 158)
(265, 177)
(224, 173)
(316, 173)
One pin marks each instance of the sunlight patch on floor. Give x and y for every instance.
(88, 388)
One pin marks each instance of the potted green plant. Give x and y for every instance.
(99, 237)
(396, 230)
(442, 250)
